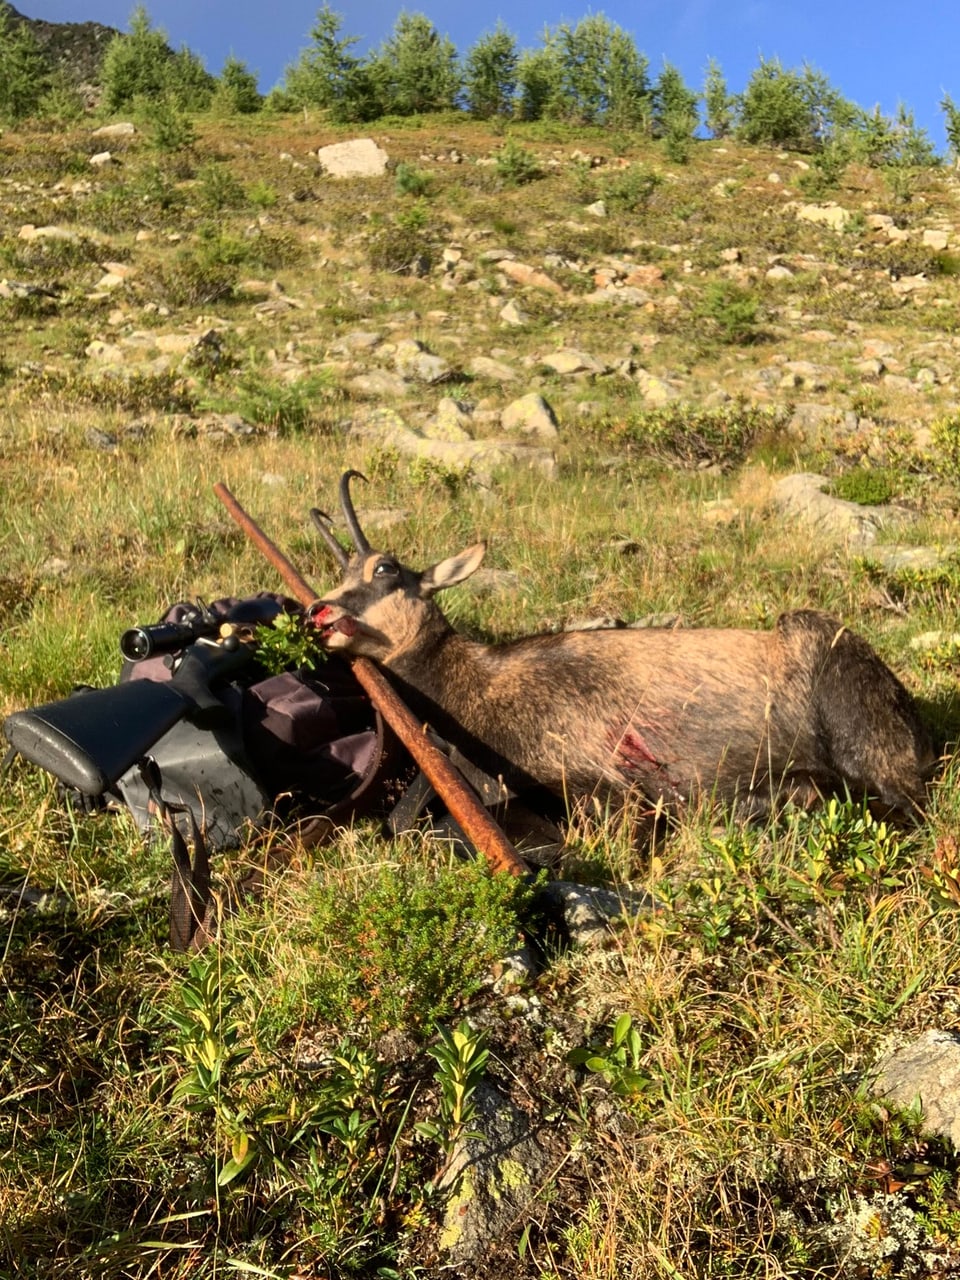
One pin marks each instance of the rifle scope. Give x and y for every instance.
(165, 637)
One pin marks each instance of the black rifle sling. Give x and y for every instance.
(190, 896)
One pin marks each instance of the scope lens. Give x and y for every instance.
(136, 645)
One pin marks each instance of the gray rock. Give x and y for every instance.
(494, 1177)
(805, 374)
(801, 496)
(810, 421)
(357, 340)
(105, 441)
(925, 1071)
(477, 459)
(21, 289)
(121, 129)
(653, 389)
(590, 913)
(451, 422)
(412, 360)
(531, 415)
(626, 296)
(493, 370)
(356, 158)
(30, 232)
(830, 215)
(104, 352)
(512, 315)
(379, 384)
(935, 239)
(568, 362)
(217, 427)
(893, 558)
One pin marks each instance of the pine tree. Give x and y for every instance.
(327, 75)
(237, 91)
(24, 74)
(136, 64)
(490, 74)
(718, 103)
(416, 69)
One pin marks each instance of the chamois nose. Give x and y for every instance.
(327, 618)
(319, 612)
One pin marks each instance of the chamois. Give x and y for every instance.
(751, 718)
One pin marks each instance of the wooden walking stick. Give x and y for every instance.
(461, 801)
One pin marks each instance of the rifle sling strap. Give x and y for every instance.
(190, 895)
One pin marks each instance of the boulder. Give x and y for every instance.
(802, 497)
(531, 415)
(356, 158)
(567, 362)
(493, 370)
(830, 215)
(412, 360)
(121, 129)
(523, 274)
(477, 459)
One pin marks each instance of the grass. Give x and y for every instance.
(278, 1106)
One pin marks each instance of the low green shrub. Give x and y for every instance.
(408, 944)
(286, 408)
(630, 190)
(406, 245)
(685, 434)
(411, 181)
(515, 165)
(731, 310)
(132, 391)
(868, 486)
(945, 433)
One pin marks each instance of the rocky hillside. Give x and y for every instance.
(74, 48)
(666, 392)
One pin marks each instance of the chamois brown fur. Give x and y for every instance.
(671, 715)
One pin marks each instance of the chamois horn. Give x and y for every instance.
(322, 523)
(346, 502)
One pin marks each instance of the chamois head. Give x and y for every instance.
(381, 607)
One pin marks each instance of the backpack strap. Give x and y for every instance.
(191, 900)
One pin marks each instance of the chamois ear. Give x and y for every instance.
(452, 570)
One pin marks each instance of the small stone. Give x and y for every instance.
(512, 315)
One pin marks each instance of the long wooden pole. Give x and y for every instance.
(462, 803)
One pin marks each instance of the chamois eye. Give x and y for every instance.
(385, 569)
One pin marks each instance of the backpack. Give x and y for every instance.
(197, 737)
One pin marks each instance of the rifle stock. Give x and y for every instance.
(90, 739)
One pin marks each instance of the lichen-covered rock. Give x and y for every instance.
(495, 1177)
(926, 1071)
(531, 415)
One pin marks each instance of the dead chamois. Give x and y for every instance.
(670, 716)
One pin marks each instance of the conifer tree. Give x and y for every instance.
(490, 74)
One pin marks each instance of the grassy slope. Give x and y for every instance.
(784, 960)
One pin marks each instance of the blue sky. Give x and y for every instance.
(884, 52)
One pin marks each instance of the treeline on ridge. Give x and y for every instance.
(588, 72)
